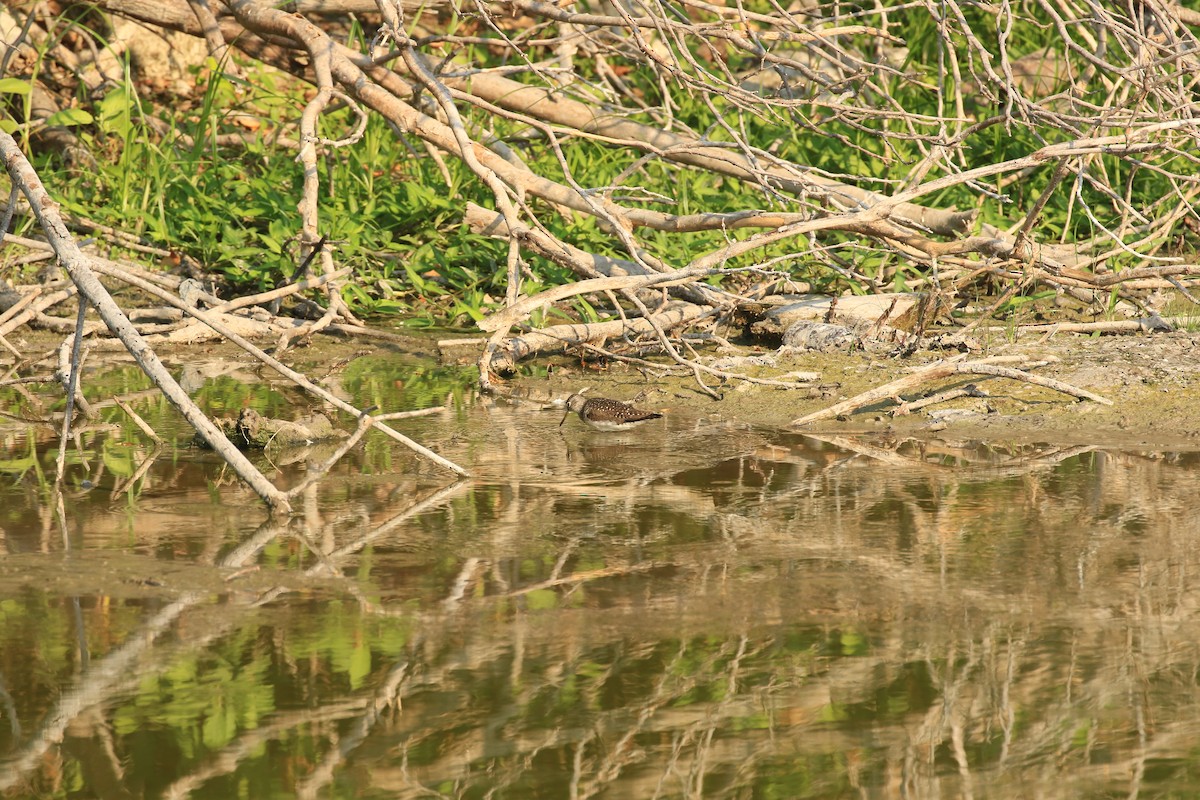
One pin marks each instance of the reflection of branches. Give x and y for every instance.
(10, 709)
(117, 668)
(386, 696)
(270, 729)
(818, 608)
(329, 561)
(701, 732)
(93, 687)
(916, 454)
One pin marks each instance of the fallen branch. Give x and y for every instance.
(526, 306)
(77, 265)
(215, 324)
(943, 369)
(970, 390)
(581, 262)
(559, 337)
(1142, 325)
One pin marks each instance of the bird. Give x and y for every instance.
(606, 415)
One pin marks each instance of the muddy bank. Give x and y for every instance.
(1152, 380)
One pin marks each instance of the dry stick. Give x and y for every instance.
(670, 348)
(515, 313)
(72, 386)
(138, 474)
(126, 241)
(1142, 325)
(90, 289)
(667, 369)
(502, 322)
(575, 259)
(8, 346)
(415, 63)
(943, 369)
(281, 292)
(13, 195)
(1007, 295)
(40, 304)
(137, 420)
(218, 48)
(659, 370)
(420, 412)
(19, 306)
(319, 48)
(941, 397)
(696, 367)
(1021, 248)
(162, 279)
(581, 262)
(275, 364)
(68, 361)
(561, 336)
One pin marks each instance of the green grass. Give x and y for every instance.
(390, 215)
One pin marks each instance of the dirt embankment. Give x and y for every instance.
(1153, 382)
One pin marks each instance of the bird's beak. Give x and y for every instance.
(564, 419)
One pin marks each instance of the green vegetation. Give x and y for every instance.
(168, 168)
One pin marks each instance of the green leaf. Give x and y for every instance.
(14, 86)
(115, 110)
(8, 126)
(69, 117)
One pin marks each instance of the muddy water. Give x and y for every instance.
(691, 609)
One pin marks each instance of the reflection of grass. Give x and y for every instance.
(224, 395)
(854, 609)
(392, 384)
(387, 382)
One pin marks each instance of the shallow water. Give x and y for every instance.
(690, 609)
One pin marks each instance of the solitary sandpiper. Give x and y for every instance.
(606, 415)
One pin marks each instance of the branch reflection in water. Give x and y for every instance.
(694, 609)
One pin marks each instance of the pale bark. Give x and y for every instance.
(90, 289)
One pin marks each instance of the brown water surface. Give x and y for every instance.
(690, 609)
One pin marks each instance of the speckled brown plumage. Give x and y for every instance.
(607, 415)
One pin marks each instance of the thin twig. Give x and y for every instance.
(71, 387)
(137, 420)
(93, 293)
(274, 363)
